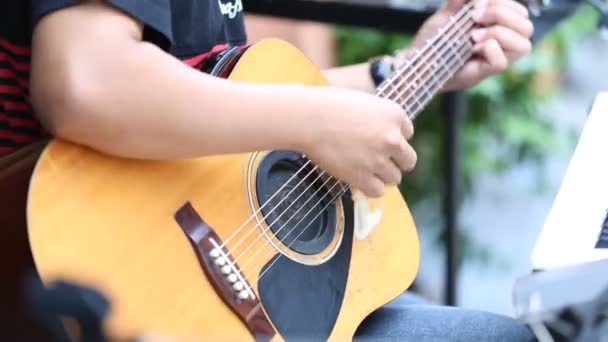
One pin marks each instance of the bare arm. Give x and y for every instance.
(358, 76)
(95, 82)
(354, 76)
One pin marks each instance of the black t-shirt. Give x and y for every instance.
(188, 29)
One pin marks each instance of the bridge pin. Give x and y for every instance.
(238, 286)
(226, 269)
(232, 278)
(214, 253)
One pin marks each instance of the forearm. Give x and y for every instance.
(147, 104)
(354, 76)
(358, 76)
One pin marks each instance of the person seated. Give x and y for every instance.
(119, 77)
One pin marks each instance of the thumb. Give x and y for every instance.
(454, 5)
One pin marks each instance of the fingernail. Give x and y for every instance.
(478, 34)
(480, 8)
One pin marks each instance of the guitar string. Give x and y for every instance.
(277, 219)
(431, 43)
(302, 168)
(265, 229)
(340, 193)
(324, 208)
(261, 248)
(267, 215)
(267, 202)
(323, 197)
(449, 27)
(419, 105)
(461, 35)
(296, 224)
(285, 224)
(456, 19)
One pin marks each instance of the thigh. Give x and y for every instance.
(407, 320)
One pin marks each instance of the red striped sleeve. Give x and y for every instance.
(14, 49)
(20, 122)
(6, 150)
(16, 106)
(24, 67)
(10, 74)
(19, 126)
(10, 90)
(196, 60)
(16, 137)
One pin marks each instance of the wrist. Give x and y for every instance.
(380, 69)
(302, 117)
(451, 85)
(400, 56)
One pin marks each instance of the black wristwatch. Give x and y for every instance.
(380, 69)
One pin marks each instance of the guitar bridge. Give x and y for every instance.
(224, 265)
(223, 273)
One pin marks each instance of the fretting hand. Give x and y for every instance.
(503, 38)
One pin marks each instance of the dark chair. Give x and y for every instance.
(16, 260)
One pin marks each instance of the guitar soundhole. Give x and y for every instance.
(302, 215)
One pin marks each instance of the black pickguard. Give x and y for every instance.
(303, 302)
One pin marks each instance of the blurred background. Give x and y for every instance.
(517, 135)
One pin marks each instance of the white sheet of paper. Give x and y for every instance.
(573, 224)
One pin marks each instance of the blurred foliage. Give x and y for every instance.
(504, 126)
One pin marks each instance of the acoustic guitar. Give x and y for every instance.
(255, 246)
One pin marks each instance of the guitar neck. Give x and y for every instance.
(422, 75)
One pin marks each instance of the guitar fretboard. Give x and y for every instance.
(418, 80)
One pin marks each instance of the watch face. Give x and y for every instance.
(380, 70)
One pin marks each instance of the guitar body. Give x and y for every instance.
(121, 226)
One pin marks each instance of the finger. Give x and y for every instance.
(373, 187)
(407, 128)
(520, 9)
(504, 16)
(389, 173)
(453, 5)
(405, 158)
(514, 5)
(513, 44)
(493, 59)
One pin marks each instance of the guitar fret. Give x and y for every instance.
(443, 62)
(455, 54)
(417, 99)
(417, 81)
(414, 105)
(385, 92)
(434, 73)
(423, 85)
(390, 90)
(418, 108)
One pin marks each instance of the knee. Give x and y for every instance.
(493, 327)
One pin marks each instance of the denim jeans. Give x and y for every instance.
(408, 318)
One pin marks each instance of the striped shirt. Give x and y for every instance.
(18, 126)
